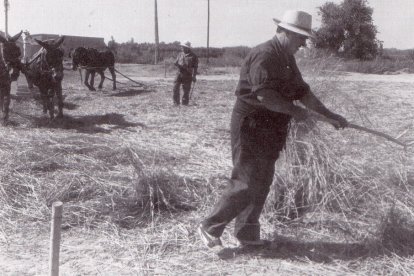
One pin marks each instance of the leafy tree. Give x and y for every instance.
(347, 29)
(331, 34)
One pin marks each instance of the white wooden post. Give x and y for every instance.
(57, 208)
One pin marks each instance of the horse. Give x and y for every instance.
(45, 70)
(94, 61)
(9, 62)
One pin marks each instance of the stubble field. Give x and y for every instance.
(137, 174)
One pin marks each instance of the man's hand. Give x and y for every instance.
(338, 121)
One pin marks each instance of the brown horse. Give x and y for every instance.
(9, 62)
(94, 61)
(45, 70)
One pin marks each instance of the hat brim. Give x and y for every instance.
(186, 46)
(293, 28)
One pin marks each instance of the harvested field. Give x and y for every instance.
(136, 175)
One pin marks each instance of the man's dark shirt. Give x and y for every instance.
(268, 66)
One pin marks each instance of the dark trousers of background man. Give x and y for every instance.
(183, 80)
(256, 140)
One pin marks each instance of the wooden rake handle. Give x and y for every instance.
(386, 136)
(320, 117)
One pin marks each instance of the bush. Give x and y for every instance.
(316, 60)
(379, 66)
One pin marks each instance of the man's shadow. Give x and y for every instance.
(88, 124)
(288, 248)
(316, 251)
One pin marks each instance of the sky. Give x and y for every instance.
(232, 22)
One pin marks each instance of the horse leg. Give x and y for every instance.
(101, 73)
(6, 103)
(91, 84)
(51, 103)
(29, 82)
(60, 100)
(86, 82)
(112, 70)
(44, 97)
(2, 93)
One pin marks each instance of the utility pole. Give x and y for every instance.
(208, 30)
(6, 10)
(156, 33)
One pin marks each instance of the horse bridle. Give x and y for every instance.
(43, 63)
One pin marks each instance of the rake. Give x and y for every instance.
(319, 117)
(192, 90)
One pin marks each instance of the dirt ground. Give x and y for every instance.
(195, 139)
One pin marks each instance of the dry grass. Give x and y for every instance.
(137, 175)
(315, 60)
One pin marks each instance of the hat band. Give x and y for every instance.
(296, 26)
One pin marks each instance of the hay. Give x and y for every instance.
(318, 171)
(130, 171)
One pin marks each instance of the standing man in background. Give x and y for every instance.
(187, 64)
(269, 83)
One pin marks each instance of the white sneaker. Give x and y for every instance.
(208, 240)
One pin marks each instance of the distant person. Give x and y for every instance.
(187, 64)
(269, 83)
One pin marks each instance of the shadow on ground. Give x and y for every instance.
(322, 252)
(36, 97)
(87, 124)
(130, 92)
(70, 106)
(317, 251)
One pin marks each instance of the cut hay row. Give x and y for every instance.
(136, 175)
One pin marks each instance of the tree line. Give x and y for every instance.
(347, 31)
(133, 52)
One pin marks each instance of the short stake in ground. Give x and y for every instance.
(57, 208)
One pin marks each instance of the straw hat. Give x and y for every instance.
(186, 44)
(296, 21)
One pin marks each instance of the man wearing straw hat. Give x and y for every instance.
(187, 64)
(269, 83)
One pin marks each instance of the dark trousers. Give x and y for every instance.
(256, 141)
(183, 80)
